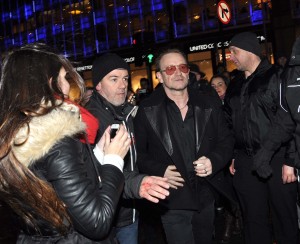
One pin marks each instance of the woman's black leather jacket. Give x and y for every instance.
(56, 155)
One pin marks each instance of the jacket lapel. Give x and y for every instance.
(201, 118)
(158, 119)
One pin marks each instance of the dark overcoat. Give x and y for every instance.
(157, 149)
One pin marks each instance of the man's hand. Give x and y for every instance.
(174, 177)
(203, 166)
(288, 174)
(231, 167)
(154, 188)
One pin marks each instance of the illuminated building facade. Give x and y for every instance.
(83, 29)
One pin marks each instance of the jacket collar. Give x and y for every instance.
(119, 112)
(45, 131)
(261, 69)
(157, 116)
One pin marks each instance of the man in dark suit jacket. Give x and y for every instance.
(181, 134)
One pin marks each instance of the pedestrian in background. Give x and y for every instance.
(220, 83)
(144, 90)
(232, 213)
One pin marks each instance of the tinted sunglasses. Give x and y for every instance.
(170, 70)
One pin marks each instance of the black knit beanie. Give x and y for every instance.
(105, 64)
(247, 41)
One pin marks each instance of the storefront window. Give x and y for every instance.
(203, 60)
(136, 74)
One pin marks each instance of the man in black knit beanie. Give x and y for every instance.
(251, 104)
(110, 75)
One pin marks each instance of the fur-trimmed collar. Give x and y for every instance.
(45, 131)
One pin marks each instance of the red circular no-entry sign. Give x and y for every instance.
(224, 13)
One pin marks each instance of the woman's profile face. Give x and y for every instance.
(62, 82)
(219, 85)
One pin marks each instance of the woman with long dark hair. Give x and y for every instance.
(57, 189)
(219, 83)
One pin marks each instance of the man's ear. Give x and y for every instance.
(98, 87)
(159, 77)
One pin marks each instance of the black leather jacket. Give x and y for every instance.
(108, 114)
(66, 163)
(157, 148)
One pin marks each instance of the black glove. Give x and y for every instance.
(261, 163)
(264, 171)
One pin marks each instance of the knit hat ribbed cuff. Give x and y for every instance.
(247, 41)
(105, 64)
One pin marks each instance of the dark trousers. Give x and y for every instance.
(189, 227)
(266, 201)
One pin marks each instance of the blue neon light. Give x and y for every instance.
(85, 24)
(38, 4)
(15, 14)
(161, 35)
(158, 6)
(257, 15)
(28, 11)
(120, 10)
(124, 41)
(8, 42)
(56, 29)
(30, 37)
(89, 51)
(6, 16)
(100, 20)
(178, 1)
(41, 33)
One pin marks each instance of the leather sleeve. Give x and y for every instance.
(91, 208)
(146, 161)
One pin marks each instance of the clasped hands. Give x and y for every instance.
(202, 166)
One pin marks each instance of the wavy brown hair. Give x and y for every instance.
(24, 86)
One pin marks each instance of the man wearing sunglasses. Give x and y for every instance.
(181, 134)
